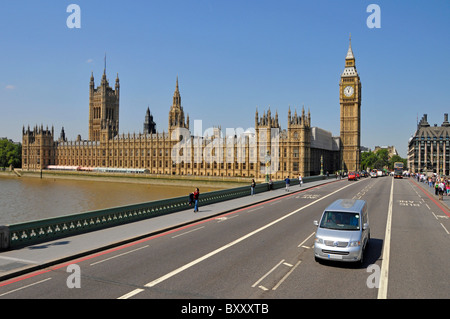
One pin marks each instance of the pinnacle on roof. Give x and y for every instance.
(350, 51)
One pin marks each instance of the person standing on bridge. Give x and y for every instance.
(441, 189)
(253, 187)
(288, 182)
(196, 195)
(300, 179)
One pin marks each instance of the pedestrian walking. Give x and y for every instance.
(441, 189)
(300, 179)
(288, 182)
(196, 195)
(270, 184)
(253, 187)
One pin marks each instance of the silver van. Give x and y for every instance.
(343, 231)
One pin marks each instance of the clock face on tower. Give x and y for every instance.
(348, 91)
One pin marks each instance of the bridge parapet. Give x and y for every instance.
(34, 232)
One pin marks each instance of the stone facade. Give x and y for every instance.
(38, 148)
(103, 109)
(429, 148)
(350, 100)
(265, 150)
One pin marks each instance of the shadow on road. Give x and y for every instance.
(371, 255)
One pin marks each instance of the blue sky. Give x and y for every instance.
(230, 57)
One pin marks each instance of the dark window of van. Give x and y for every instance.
(340, 221)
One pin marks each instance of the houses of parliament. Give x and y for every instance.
(266, 150)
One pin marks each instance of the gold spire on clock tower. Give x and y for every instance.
(350, 101)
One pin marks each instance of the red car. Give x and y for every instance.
(352, 176)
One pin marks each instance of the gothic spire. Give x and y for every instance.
(350, 51)
(104, 70)
(104, 80)
(177, 96)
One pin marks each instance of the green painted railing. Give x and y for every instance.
(30, 233)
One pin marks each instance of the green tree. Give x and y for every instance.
(379, 160)
(383, 158)
(10, 154)
(368, 160)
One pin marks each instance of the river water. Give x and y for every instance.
(28, 199)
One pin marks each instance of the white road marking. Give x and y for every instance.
(287, 275)
(131, 294)
(382, 291)
(224, 218)
(231, 244)
(302, 243)
(190, 231)
(445, 229)
(30, 285)
(103, 260)
(267, 273)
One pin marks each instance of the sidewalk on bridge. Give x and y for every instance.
(445, 199)
(40, 256)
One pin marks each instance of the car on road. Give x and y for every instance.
(352, 176)
(343, 231)
(373, 174)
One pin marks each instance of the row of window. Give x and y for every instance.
(165, 164)
(241, 153)
(434, 138)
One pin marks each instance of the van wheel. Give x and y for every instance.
(360, 262)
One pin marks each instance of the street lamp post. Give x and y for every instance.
(321, 164)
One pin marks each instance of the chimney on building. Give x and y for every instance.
(446, 123)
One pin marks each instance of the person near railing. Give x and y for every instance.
(196, 195)
(288, 182)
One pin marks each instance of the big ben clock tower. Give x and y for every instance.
(350, 101)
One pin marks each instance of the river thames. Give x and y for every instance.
(28, 199)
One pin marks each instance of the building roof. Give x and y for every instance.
(424, 129)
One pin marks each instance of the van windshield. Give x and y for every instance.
(340, 221)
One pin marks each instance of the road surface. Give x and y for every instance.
(265, 252)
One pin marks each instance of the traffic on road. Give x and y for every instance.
(395, 232)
